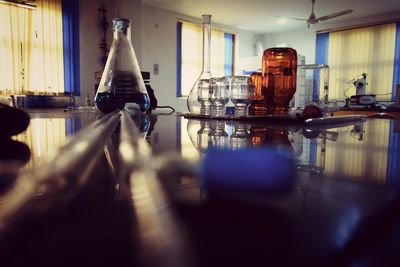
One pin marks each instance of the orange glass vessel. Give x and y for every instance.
(261, 99)
(279, 68)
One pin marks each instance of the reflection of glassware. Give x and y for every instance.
(142, 121)
(261, 98)
(279, 70)
(280, 139)
(193, 97)
(192, 128)
(13, 156)
(220, 96)
(241, 95)
(240, 138)
(205, 91)
(275, 137)
(203, 136)
(257, 135)
(219, 137)
(121, 81)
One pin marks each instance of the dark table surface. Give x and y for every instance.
(342, 210)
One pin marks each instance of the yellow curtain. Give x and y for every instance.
(217, 53)
(192, 54)
(31, 46)
(367, 50)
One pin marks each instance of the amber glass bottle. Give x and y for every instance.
(259, 104)
(279, 67)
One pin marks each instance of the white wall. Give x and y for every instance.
(303, 40)
(89, 38)
(159, 47)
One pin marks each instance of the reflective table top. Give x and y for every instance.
(342, 209)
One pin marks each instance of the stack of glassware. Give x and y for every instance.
(209, 95)
(215, 93)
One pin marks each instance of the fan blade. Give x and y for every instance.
(298, 19)
(337, 14)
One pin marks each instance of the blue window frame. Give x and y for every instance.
(396, 68)
(70, 9)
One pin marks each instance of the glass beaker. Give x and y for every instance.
(241, 95)
(121, 82)
(193, 101)
(220, 96)
(279, 67)
(205, 89)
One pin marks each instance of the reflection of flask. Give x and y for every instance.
(240, 138)
(142, 121)
(279, 66)
(203, 136)
(219, 137)
(193, 103)
(121, 81)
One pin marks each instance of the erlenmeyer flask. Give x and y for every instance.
(121, 82)
(193, 100)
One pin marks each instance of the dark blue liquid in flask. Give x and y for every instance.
(121, 83)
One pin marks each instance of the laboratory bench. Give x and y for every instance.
(377, 112)
(93, 189)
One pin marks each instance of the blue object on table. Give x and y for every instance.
(256, 171)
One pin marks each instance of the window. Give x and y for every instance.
(349, 53)
(190, 55)
(35, 48)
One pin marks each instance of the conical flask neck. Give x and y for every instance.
(120, 35)
(122, 28)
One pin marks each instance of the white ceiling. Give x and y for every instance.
(260, 16)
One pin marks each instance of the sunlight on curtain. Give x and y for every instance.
(217, 53)
(364, 50)
(192, 54)
(31, 45)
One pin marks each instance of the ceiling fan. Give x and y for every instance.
(312, 19)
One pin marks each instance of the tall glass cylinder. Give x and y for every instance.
(279, 67)
(198, 100)
(122, 83)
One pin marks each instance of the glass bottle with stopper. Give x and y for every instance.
(121, 83)
(198, 100)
